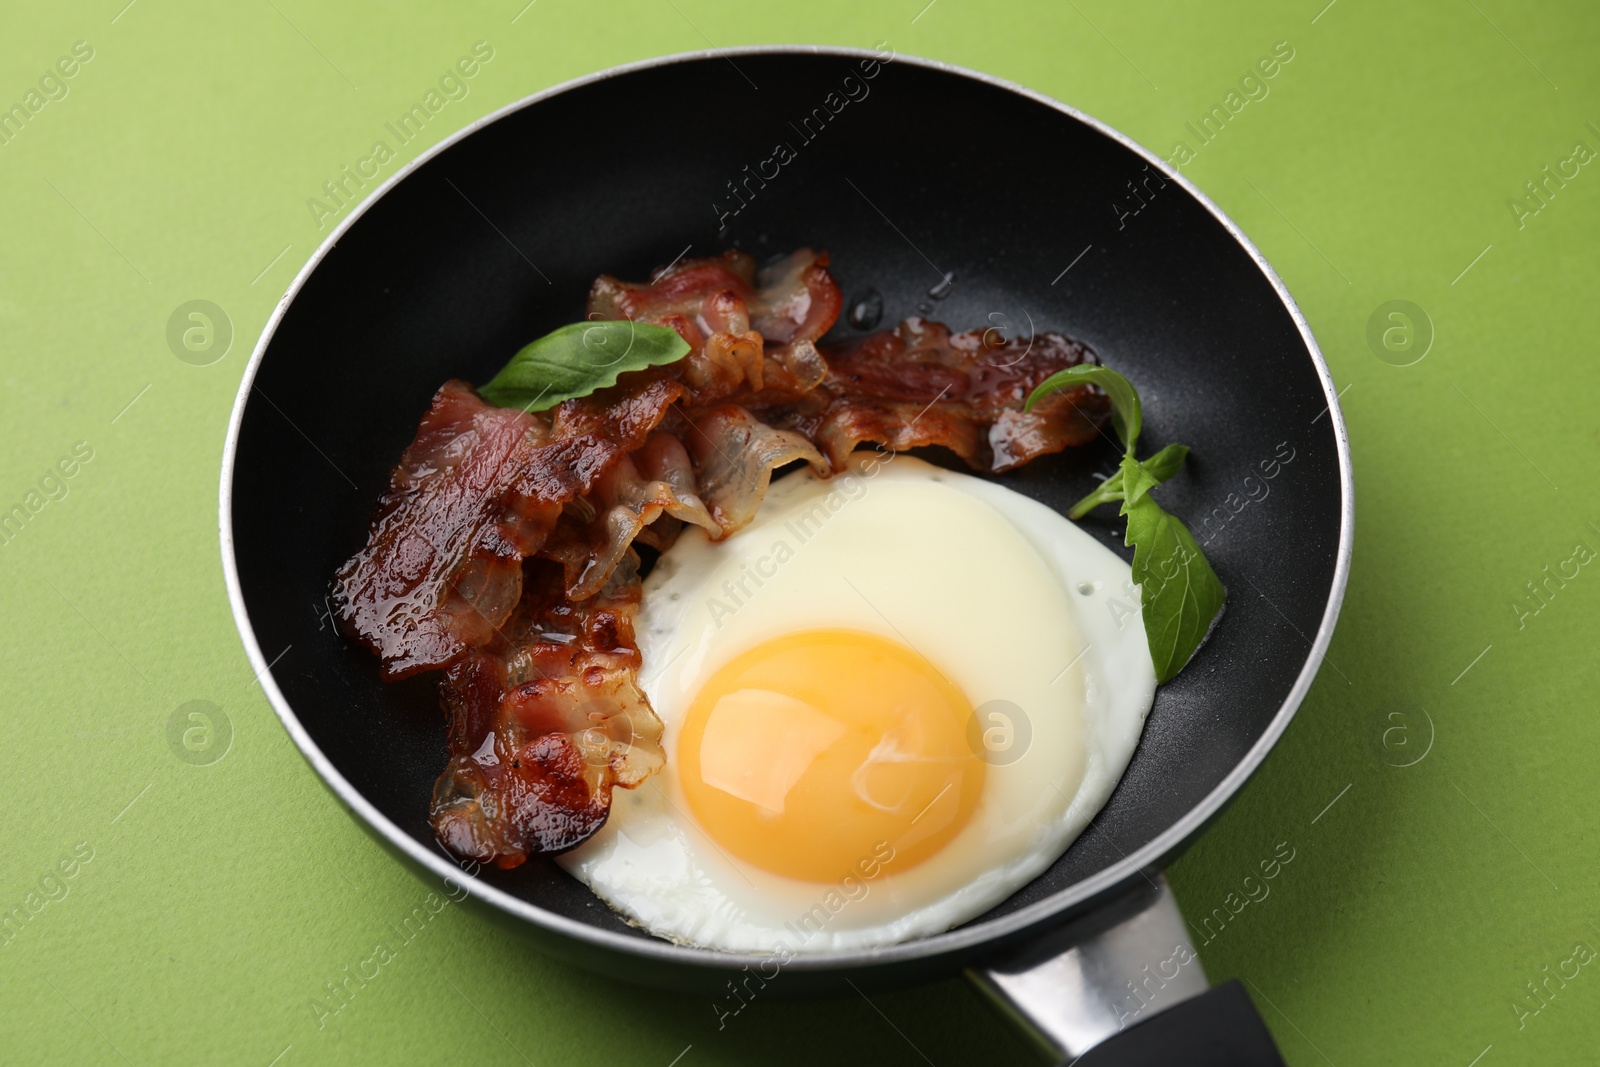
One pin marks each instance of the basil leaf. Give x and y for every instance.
(578, 359)
(1161, 466)
(1136, 481)
(1180, 595)
(1126, 418)
(1167, 462)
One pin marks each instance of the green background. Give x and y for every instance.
(220, 897)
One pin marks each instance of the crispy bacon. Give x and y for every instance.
(595, 534)
(625, 415)
(794, 299)
(502, 551)
(729, 313)
(918, 384)
(478, 489)
(545, 721)
(735, 454)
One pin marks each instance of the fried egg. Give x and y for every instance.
(890, 701)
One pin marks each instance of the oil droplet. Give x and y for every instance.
(942, 290)
(866, 309)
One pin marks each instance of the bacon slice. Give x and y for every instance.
(545, 723)
(734, 456)
(595, 534)
(711, 470)
(624, 414)
(729, 312)
(918, 384)
(793, 299)
(796, 299)
(477, 490)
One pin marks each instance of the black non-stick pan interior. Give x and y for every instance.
(1039, 220)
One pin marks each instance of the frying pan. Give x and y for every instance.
(937, 191)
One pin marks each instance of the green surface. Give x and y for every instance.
(221, 896)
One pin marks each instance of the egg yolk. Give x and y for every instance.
(829, 753)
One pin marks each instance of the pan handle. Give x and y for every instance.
(1108, 982)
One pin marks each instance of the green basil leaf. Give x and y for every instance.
(578, 359)
(1161, 466)
(1167, 462)
(1137, 480)
(1180, 596)
(1179, 593)
(1126, 418)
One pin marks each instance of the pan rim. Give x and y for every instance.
(964, 938)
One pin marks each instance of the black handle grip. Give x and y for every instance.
(1219, 1028)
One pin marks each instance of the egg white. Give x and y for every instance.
(1012, 601)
